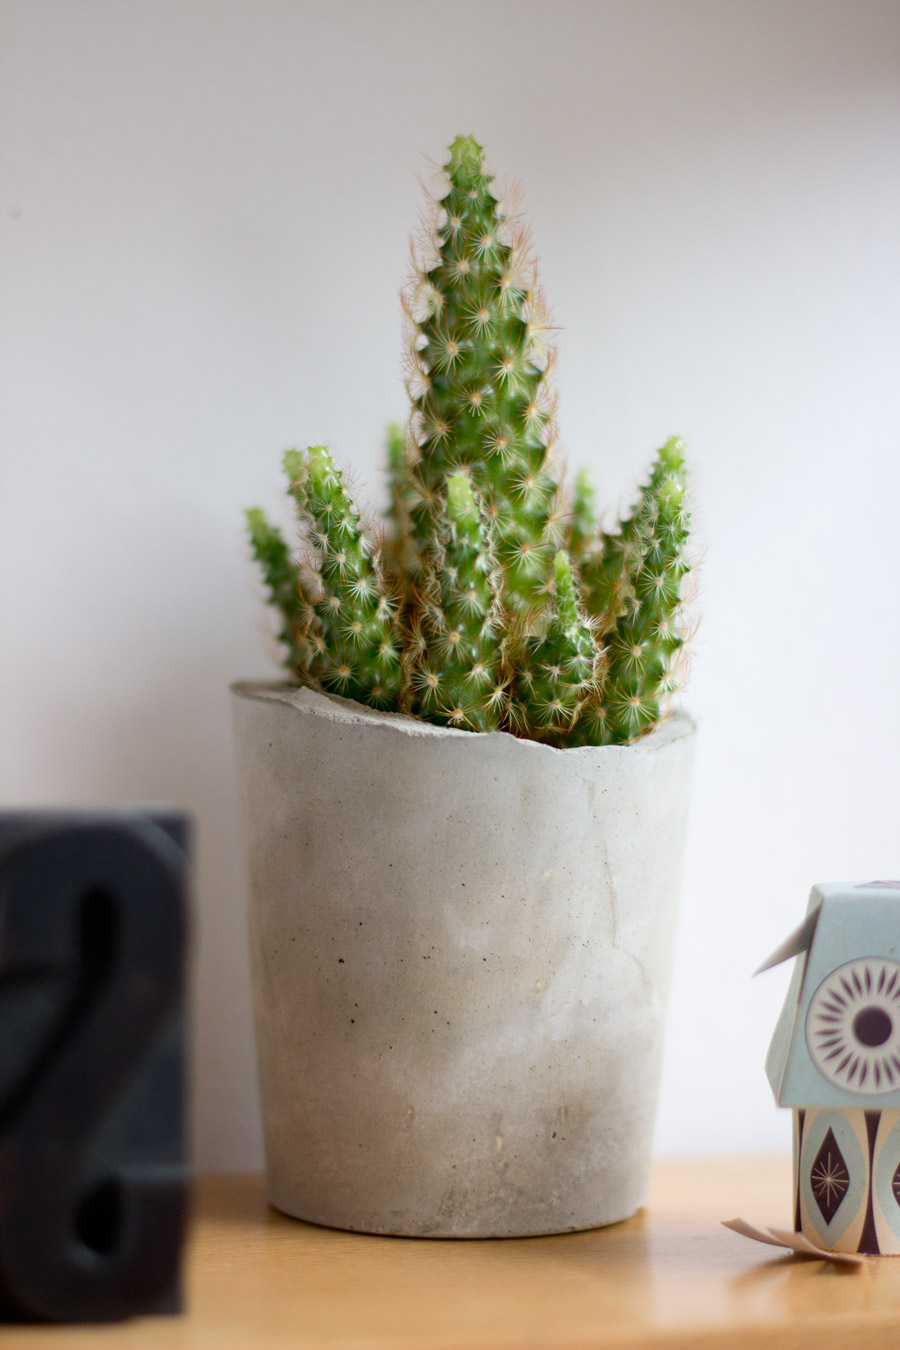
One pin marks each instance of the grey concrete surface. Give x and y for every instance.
(460, 948)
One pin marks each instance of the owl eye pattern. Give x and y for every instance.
(853, 1026)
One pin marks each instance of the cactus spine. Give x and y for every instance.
(473, 616)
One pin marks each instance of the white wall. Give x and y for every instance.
(205, 209)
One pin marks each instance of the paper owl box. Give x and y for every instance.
(835, 1060)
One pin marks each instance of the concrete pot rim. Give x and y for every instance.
(347, 712)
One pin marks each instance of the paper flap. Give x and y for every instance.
(799, 941)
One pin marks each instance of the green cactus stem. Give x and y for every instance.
(400, 556)
(300, 628)
(643, 647)
(456, 671)
(556, 672)
(479, 362)
(358, 655)
(609, 562)
(583, 516)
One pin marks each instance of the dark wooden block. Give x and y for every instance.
(93, 928)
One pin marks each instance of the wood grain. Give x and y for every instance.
(672, 1276)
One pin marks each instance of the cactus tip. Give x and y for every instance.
(562, 566)
(319, 463)
(466, 157)
(672, 454)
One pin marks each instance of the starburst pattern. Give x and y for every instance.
(853, 1026)
(829, 1178)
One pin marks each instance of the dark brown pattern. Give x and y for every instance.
(829, 1177)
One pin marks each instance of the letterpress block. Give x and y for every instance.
(93, 925)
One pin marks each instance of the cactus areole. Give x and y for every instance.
(493, 601)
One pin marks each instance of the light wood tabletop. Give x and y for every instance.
(672, 1276)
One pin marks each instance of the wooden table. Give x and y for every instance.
(670, 1277)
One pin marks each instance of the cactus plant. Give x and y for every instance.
(493, 600)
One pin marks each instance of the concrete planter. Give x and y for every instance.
(460, 947)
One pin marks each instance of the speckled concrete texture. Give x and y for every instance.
(460, 947)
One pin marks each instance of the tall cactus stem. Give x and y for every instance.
(479, 390)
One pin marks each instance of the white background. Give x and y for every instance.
(205, 210)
